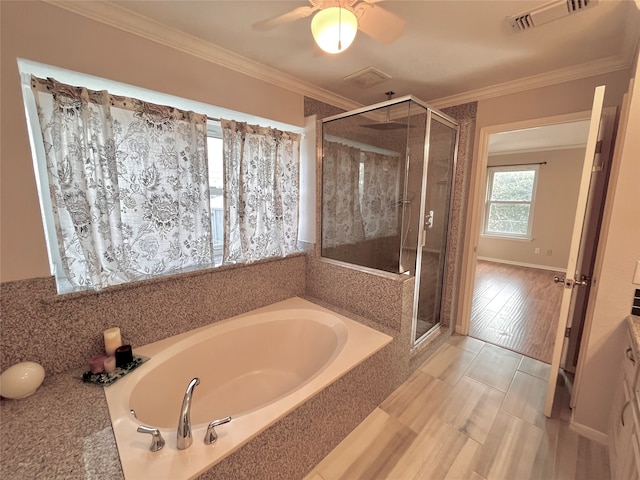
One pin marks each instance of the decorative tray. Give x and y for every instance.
(106, 379)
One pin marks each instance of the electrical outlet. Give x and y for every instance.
(549, 252)
(536, 251)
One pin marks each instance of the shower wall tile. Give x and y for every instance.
(321, 109)
(377, 297)
(465, 114)
(63, 332)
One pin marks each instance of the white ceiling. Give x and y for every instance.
(450, 50)
(548, 137)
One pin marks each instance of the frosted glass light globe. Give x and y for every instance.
(334, 29)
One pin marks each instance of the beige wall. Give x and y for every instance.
(47, 34)
(560, 99)
(553, 213)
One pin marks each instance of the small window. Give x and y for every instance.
(509, 201)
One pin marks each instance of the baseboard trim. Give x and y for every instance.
(522, 264)
(588, 432)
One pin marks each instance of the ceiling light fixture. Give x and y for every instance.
(334, 29)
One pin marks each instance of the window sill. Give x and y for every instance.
(506, 237)
(175, 276)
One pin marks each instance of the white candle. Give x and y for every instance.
(112, 340)
(110, 364)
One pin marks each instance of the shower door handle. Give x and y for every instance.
(428, 220)
(428, 225)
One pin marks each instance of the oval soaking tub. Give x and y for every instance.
(255, 367)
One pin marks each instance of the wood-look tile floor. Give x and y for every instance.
(516, 308)
(472, 411)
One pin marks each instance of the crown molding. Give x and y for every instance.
(136, 24)
(554, 77)
(118, 17)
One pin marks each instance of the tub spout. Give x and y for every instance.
(184, 423)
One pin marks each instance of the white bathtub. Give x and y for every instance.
(255, 367)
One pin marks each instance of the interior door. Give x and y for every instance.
(589, 239)
(573, 280)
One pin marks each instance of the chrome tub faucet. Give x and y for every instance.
(184, 423)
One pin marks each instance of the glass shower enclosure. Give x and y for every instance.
(387, 176)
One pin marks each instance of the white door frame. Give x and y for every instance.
(475, 205)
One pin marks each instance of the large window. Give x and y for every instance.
(142, 175)
(509, 201)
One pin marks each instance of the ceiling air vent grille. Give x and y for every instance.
(368, 77)
(547, 13)
(577, 5)
(522, 22)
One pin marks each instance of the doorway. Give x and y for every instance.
(588, 218)
(599, 145)
(531, 189)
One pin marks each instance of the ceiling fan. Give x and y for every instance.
(335, 23)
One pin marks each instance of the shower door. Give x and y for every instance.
(437, 180)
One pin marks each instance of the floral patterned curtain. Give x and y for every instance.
(341, 215)
(261, 192)
(128, 183)
(380, 195)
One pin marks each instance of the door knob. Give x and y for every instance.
(584, 281)
(570, 283)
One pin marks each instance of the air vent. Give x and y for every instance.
(577, 5)
(522, 22)
(368, 77)
(547, 13)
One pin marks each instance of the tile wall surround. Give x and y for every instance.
(63, 332)
(465, 114)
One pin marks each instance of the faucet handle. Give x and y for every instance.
(211, 436)
(157, 442)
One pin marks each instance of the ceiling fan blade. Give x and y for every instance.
(378, 23)
(291, 16)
